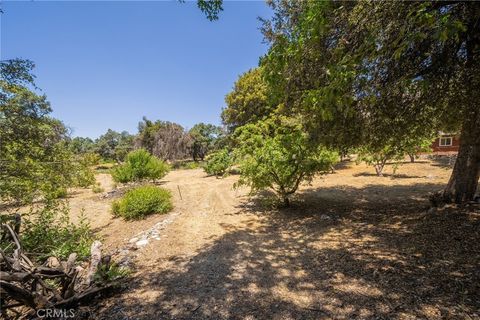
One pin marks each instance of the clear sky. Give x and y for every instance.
(106, 64)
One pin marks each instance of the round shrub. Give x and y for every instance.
(218, 163)
(140, 165)
(143, 201)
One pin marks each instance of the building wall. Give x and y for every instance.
(448, 149)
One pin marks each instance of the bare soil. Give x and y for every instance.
(353, 246)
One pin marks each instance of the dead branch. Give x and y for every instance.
(26, 287)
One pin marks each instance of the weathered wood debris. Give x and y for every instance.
(26, 287)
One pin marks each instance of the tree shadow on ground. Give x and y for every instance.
(445, 161)
(340, 253)
(344, 164)
(388, 175)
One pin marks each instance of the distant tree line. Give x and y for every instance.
(163, 139)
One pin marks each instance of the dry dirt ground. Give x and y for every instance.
(353, 246)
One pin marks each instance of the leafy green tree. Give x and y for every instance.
(378, 157)
(398, 69)
(309, 77)
(124, 146)
(146, 134)
(218, 163)
(36, 164)
(34, 159)
(248, 102)
(393, 149)
(106, 143)
(276, 155)
(414, 147)
(80, 145)
(204, 138)
(114, 145)
(426, 74)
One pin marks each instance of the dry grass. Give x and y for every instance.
(354, 246)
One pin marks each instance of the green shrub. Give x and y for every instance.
(187, 165)
(143, 201)
(91, 159)
(122, 174)
(218, 163)
(49, 232)
(112, 273)
(275, 154)
(140, 165)
(83, 175)
(192, 165)
(57, 193)
(97, 188)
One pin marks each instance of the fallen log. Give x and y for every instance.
(15, 276)
(17, 293)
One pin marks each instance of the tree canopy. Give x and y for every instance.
(34, 158)
(204, 137)
(275, 154)
(165, 140)
(248, 101)
(377, 74)
(114, 145)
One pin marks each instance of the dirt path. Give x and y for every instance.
(353, 246)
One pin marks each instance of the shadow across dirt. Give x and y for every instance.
(340, 253)
(389, 175)
(443, 161)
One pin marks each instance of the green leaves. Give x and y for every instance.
(142, 201)
(218, 163)
(49, 232)
(205, 137)
(277, 155)
(113, 145)
(139, 166)
(211, 8)
(34, 159)
(248, 102)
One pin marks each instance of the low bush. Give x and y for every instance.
(218, 163)
(143, 201)
(97, 188)
(122, 174)
(140, 165)
(187, 165)
(49, 232)
(57, 193)
(113, 272)
(83, 175)
(91, 159)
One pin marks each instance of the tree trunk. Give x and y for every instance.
(464, 179)
(379, 169)
(463, 182)
(412, 158)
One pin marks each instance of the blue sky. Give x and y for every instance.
(106, 64)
